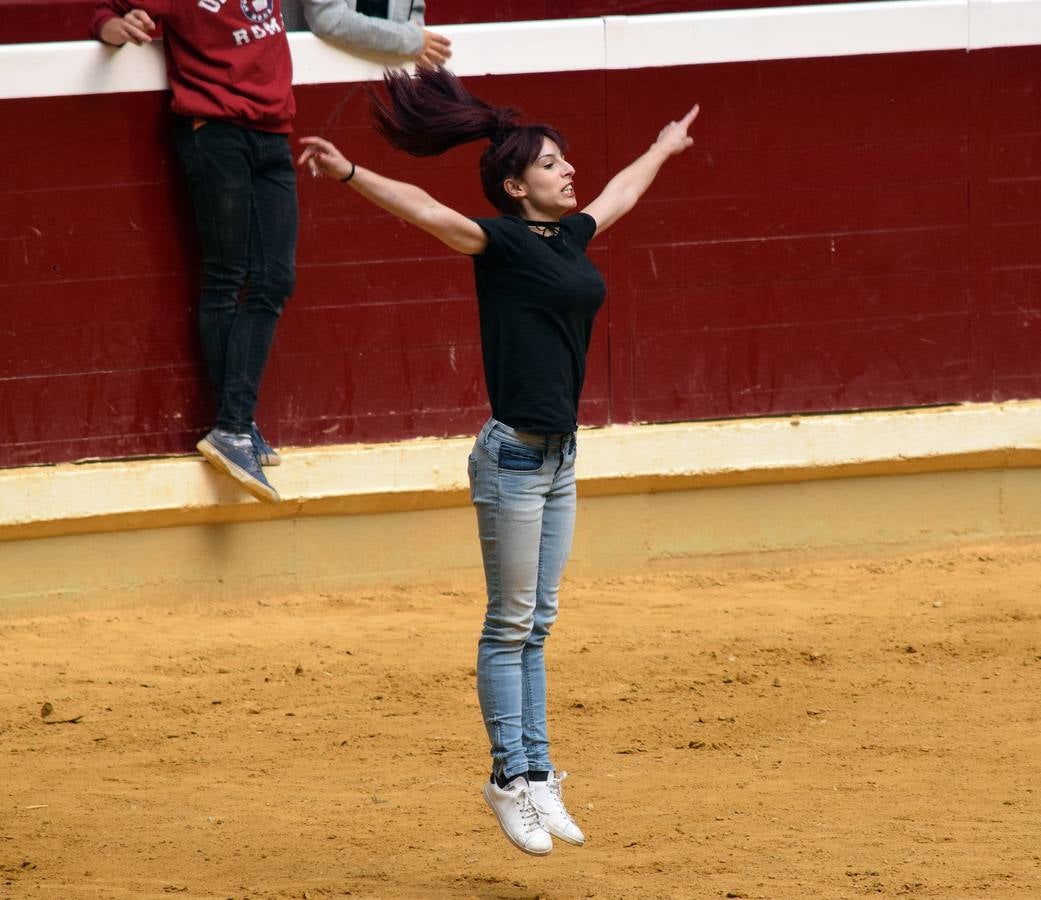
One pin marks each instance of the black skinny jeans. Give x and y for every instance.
(243, 188)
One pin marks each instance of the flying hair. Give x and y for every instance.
(431, 112)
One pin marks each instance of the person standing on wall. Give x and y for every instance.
(393, 27)
(537, 295)
(230, 75)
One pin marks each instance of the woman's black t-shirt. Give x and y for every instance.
(537, 297)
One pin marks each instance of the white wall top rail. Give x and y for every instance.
(567, 45)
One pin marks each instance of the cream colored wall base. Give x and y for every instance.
(372, 479)
(620, 533)
(117, 533)
(821, 518)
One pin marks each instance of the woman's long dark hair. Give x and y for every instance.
(432, 112)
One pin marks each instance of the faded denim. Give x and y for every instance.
(523, 488)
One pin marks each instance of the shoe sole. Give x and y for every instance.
(566, 839)
(484, 793)
(220, 462)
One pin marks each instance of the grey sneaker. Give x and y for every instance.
(518, 816)
(555, 817)
(266, 454)
(233, 454)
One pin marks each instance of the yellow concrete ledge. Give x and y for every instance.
(661, 496)
(431, 474)
(91, 497)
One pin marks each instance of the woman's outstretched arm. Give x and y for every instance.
(406, 201)
(621, 192)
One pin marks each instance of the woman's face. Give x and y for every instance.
(546, 188)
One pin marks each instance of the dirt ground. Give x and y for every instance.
(839, 729)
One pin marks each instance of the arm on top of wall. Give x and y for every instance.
(117, 22)
(402, 33)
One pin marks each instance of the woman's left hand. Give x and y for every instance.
(673, 137)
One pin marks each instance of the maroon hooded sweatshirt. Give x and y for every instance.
(225, 59)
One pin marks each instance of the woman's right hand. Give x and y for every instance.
(673, 137)
(323, 158)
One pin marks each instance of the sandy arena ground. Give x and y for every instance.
(839, 729)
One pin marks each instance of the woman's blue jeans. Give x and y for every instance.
(523, 487)
(243, 188)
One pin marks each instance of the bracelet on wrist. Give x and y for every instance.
(349, 175)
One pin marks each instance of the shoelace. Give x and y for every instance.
(531, 812)
(554, 789)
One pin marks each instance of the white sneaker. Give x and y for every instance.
(518, 816)
(555, 817)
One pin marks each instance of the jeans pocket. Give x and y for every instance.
(518, 458)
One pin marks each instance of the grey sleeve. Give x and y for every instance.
(339, 21)
(410, 10)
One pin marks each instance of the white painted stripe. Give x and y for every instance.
(1004, 23)
(319, 62)
(500, 48)
(79, 67)
(562, 45)
(427, 472)
(841, 29)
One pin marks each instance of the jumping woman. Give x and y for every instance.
(537, 296)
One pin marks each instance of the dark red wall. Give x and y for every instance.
(813, 254)
(26, 21)
(1007, 207)
(835, 240)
